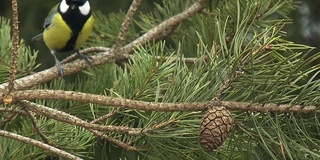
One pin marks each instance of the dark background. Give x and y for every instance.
(304, 29)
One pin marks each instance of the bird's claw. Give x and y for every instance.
(60, 68)
(88, 59)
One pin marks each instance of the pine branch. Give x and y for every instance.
(224, 72)
(39, 144)
(104, 117)
(64, 117)
(73, 120)
(148, 106)
(158, 32)
(165, 28)
(113, 140)
(51, 74)
(239, 71)
(7, 120)
(37, 128)
(125, 25)
(94, 128)
(85, 51)
(15, 45)
(13, 110)
(187, 60)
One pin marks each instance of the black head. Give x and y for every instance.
(75, 3)
(75, 14)
(73, 6)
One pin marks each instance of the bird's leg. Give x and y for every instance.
(85, 57)
(58, 64)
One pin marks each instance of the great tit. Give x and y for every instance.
(66, 28)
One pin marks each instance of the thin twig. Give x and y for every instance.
(7, 120)
(36, 127)
(128, 146)
(188, 60)
(155, 106)
(228, 82)
(113, 140)
(125, 25)
(104, 117)
(85, 51)
(13, 110)
(165, 28)
(239, 71)
(39, 144)
(160, 125)
(15, 45)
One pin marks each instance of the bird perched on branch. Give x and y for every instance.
(66, 28)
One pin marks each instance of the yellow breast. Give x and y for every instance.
(85, 32)
(57, 34)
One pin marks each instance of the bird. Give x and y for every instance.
(66, 28)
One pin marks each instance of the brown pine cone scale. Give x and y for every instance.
(215, 126)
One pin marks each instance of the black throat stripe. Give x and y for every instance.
(75, 20)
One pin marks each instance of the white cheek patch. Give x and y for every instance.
(85, 8)
(63, 6)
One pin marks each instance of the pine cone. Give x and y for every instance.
(214, 128)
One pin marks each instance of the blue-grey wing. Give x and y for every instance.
(51, 14)
(46, 23)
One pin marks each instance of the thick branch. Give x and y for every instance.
(69, 68)
(154, 106)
